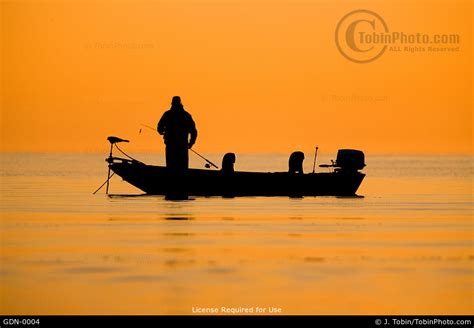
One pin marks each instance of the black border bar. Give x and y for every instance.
(15, 321)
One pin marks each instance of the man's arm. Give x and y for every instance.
(193, 132)
(161, 127)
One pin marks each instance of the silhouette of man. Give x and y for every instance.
(176, 125)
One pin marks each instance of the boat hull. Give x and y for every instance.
(156, 180)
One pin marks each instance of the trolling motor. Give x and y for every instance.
(113, 140)
(347, 160)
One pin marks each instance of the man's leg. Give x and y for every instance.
(183, 159)
(176, 163)
(177, 158)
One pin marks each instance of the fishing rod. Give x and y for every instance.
(147, 126)
(208, 161)
(204, 158)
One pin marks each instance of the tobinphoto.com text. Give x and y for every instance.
(362, 36)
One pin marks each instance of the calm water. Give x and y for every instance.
(404, 247)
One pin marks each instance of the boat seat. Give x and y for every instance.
(228, 162)
(295, 163)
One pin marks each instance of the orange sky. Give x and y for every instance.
(257, 76)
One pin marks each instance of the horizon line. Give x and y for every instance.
(243, 153)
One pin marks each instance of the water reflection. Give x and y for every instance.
(176, 250)
(179, 234)
(136, 279)
(93, 269)
(412, 230)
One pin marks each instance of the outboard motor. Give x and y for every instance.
(348, 160)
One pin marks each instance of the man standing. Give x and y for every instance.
(176, 125)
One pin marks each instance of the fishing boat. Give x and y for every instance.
(343, 179)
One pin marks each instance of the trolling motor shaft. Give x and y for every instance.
(113, 140)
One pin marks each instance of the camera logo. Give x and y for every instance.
(350, 32)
